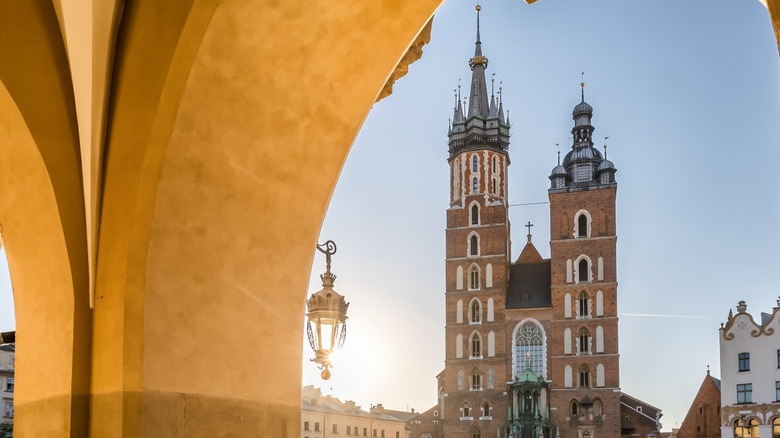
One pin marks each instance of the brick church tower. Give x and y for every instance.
(583, 354)
(476, 262)
(531, 344)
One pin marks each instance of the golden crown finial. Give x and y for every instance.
(478, 8)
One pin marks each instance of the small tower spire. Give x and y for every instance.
(529, 225)
(582, 85)
(605, 147)
(558, 146)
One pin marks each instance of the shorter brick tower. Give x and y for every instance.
(583, 354)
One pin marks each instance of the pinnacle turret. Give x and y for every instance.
(478, 123)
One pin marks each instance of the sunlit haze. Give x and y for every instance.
(688, 93)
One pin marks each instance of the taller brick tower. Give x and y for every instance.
(583, 357)
(473, 401)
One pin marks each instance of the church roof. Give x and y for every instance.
(529, 285)
(529, 254)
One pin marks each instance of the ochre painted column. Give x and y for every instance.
(230, 124)
(42, 214)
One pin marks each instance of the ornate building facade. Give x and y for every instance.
(750, 374)
(531, 343)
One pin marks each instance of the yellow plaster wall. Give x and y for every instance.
(230, 123)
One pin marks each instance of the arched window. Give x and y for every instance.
(475, 214)
(600, 269)
(567, 305)
(474, 163)
(459, 312)
(600, 375)
(599, 303)
(584, 377)
(474, 245)
(489, 284)
(475, 311)
(474, 278)
(476, 380)
(465, 410)
(490, 306)
(476, 345)
(597, 407)
(475, 434)
(747, 430)
(459, 278)
(569, 269)
(567, 376)
(574, 409)
(583, 270)
(493, 186)
(474, 185)
(461, 378)
(491, 344)
(599, 339)
(491, 377)
(529, 348)
(494, 164)
(459, 346)
(567, 341)
(583, 305)
(776, 427)
(582, 225)
(584, 341)
(486, 409)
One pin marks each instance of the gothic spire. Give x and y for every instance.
(478, 97)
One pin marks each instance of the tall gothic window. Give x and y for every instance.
(474, 245)
(476, 381)
(476, 346)
(529, 349)
(475, 311)
(584, 377)
(475, 214)
(582, 226)
(574, 409)
(474, 163)
(493, 184)
(474, 278)
(475, 434)
(584, 341)
(474, 185)
(583, 304)
(486, 410)
(494, 164)
(583, 270)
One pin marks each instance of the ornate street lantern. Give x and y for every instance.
(327, 315)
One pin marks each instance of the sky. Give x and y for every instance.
(688, 93)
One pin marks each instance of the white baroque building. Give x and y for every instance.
(750, 374)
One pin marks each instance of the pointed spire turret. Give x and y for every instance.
(500, 104)
(478, 96)
(479, 123)
(458, 115)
